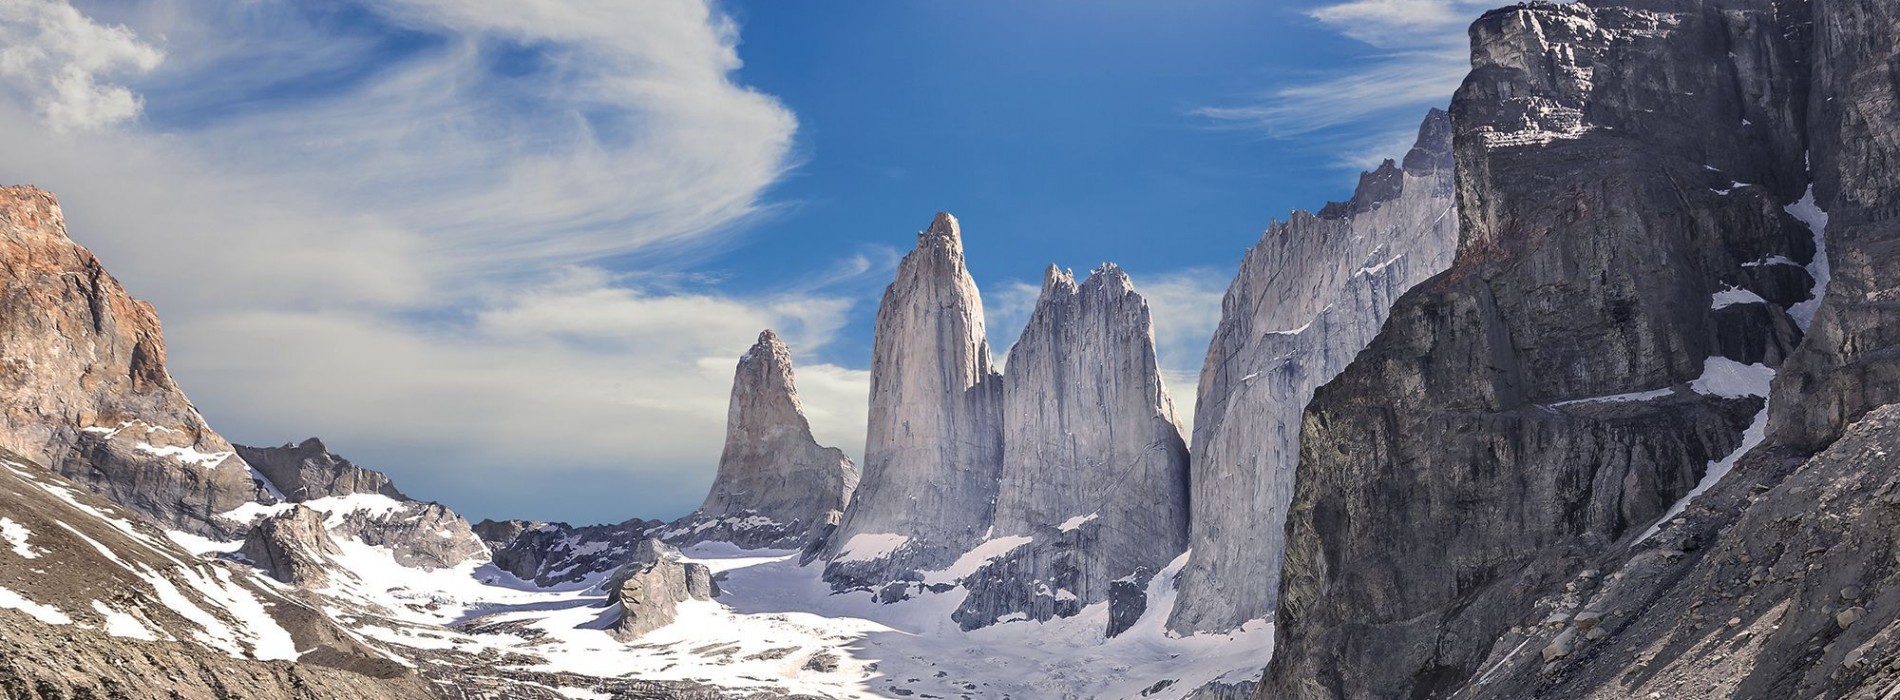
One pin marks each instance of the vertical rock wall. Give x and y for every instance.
(1309, 296)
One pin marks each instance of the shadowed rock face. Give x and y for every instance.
(933, 449)
(1094, 465)
(1778, 582)
(777, 488)
(555, 553)
(1309, 296)
(1847, 366)
(82, 365)
(1539, 401)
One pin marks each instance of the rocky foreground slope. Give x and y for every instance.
(95, 602)
(1642, 245)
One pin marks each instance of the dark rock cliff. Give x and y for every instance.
(1601, 343)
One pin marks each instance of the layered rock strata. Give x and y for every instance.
(1309, 296)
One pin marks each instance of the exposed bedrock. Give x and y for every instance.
(1569, 379)
(777, 488)
(82, 365)
(1094, 480)
(934, 447)
(645, 593)
(1309, 296)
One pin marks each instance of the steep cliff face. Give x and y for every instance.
(1602, 342)
(1847, 365)
(1309, 296)
(1094, 481)
(82, 364)
(934, 447)
(1777, 582)
(777, 488)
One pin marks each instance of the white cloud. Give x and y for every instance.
(1186, 305)
(1402, 23)
(56, 58)
(404, 249)
(1371, 110)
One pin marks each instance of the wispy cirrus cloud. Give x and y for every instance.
(1369, 111)
(445, 236)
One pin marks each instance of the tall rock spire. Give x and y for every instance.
(776, 487)
(1095, 470)
(933, 448)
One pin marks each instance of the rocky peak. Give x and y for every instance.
(308, 470)
(933, 447)
(293, 547)
(1375, 187)
(1094, 464)
(87, 391)
(943, 233)
(1055, 278)
(1432, 155)
(776, 487)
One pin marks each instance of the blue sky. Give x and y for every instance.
(508, 252)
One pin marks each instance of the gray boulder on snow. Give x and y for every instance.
(646, 592)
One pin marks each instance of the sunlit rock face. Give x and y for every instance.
(82, 365)
(1309, 296)
(934, 447)
(777, 488)
(1094, 464)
